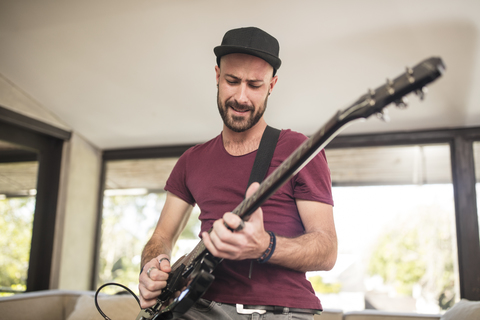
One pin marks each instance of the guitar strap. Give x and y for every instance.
(264, 155)
(263, 158)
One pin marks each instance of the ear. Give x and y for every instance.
(217, 72)
(273, 82)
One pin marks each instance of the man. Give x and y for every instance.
(293, 232)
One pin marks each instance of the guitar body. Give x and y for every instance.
(191, 276)
(193, 283)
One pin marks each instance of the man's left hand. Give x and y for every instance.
(248, 243)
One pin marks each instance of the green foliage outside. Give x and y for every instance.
(16, 221)
(321, 287)
(418, 252)
(128, 223)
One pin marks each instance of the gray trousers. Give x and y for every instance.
(211, 310)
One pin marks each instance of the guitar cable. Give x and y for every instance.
(112, 284)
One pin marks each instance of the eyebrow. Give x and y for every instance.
(237, 78)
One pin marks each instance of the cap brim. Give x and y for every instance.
(274, 61)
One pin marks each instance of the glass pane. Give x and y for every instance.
(476, 154)
(133, 200)
(18, 180)
(390, 165)
(394, 214)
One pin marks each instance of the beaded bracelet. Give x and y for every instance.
(271, 248)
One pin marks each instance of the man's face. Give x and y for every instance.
(244, 83)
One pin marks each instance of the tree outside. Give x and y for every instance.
(414, 257)
(128, 223)
(16, 222)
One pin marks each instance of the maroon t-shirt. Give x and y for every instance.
(208, 175)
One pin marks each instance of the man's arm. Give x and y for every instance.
(171, 223)
(315, 250)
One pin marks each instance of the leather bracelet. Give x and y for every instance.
(271, 248)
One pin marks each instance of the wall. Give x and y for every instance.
(76, 215)
(78, 195)
(13, 98)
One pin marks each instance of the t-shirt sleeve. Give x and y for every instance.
(313, 182)
(177, 181)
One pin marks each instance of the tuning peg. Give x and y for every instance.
(421, 92)
(401, 103)
(371, 99)
(383, 115)
(410, 76)
(390, 87)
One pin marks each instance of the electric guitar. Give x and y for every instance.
(192, 274)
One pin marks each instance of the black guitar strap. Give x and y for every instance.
(262, 162)
(264, 155)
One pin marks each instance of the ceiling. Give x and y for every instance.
(126, 73)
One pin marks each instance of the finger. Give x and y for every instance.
(258, 214)
(219, 248)
(223, 235)
(208, 240)
(208, 243)
(149, 292)
(233, 221)
(157, 275)
(147, 302)
(252, 188)
(164, 263)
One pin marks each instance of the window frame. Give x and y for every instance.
(45, 143)
(124, 154)
(460, 141)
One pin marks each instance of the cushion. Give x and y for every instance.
(116, 307)
(463, 310)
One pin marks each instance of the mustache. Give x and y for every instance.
(238, 106)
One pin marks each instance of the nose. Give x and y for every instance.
(241, 95)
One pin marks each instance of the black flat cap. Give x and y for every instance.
(250, 40)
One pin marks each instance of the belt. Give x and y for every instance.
(249, 309)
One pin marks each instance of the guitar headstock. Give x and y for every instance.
(412, 80)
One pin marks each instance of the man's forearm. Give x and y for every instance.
(313, 251)
(154, 247)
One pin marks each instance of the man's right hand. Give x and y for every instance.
(152, 282)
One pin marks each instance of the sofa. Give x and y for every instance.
(79, 305)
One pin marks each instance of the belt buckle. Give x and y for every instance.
(241, 310)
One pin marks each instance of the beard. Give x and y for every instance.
(240, 124)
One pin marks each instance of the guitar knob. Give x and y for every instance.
(390, 88)
(410, 76)
(383, 115)
(402, 103)
(421, 93)
(371, 97)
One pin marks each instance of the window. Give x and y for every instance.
(133, 200)
(376, 179)
(43, 143)
(394, 214)
(18, 183)
(476, 153)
